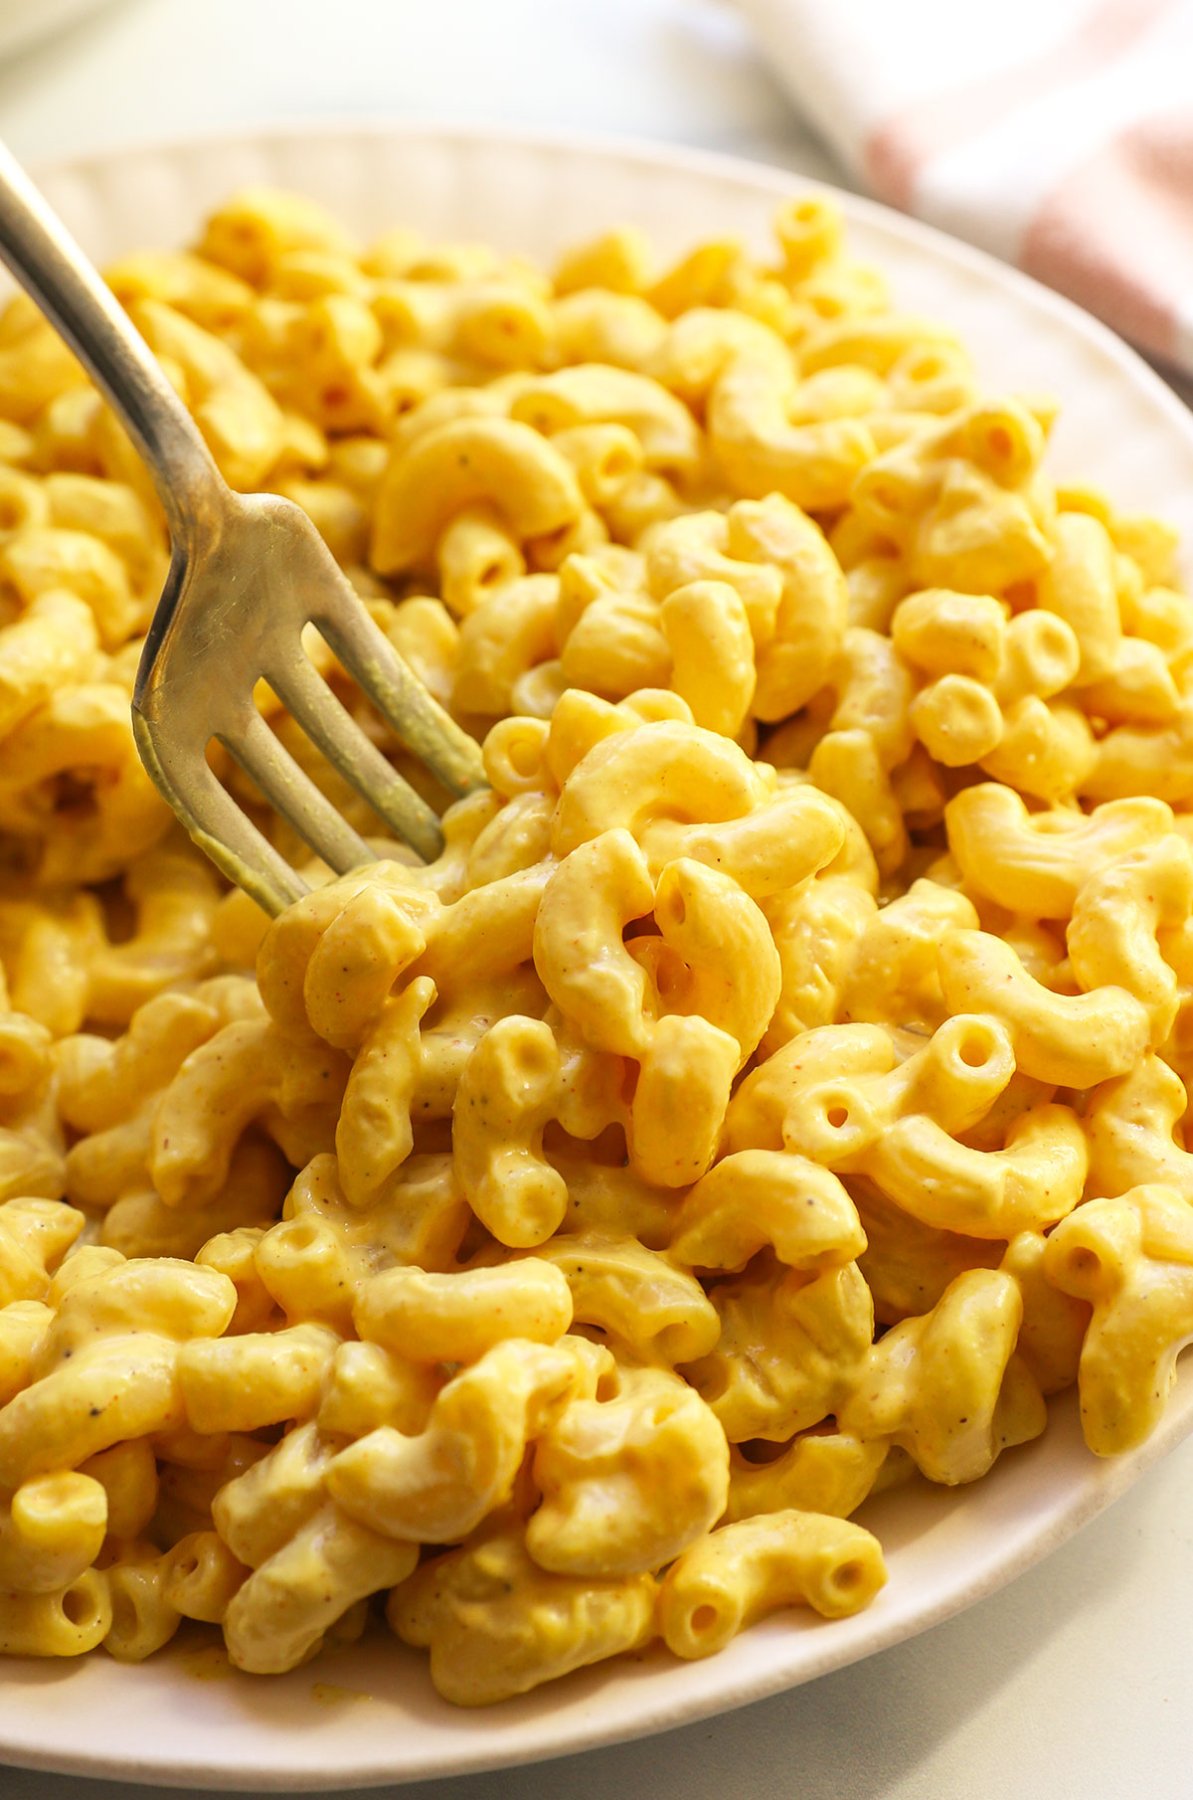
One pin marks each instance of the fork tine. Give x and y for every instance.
(295, 795)
(219, 828)
(420, 722)
(331, 727)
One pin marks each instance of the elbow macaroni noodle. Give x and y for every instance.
(772, 1093)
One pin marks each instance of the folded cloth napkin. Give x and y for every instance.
(1056, 133)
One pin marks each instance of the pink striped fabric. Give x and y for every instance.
(1057, 133)
(897, 150)
(1116, 233)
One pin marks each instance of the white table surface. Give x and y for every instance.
(1074, 1683)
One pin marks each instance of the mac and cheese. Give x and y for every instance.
(773, 1092)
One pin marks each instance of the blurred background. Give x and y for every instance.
(112, 70)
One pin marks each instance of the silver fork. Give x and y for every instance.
(247, 574)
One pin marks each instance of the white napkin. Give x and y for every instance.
(1056, 133)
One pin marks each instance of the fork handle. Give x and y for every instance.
(45, 259)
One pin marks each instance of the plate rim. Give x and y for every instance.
(1113, 1479)
(1105, 1482)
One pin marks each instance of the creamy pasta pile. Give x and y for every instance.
(773, 1092)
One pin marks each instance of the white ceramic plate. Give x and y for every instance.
(370, 1715)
